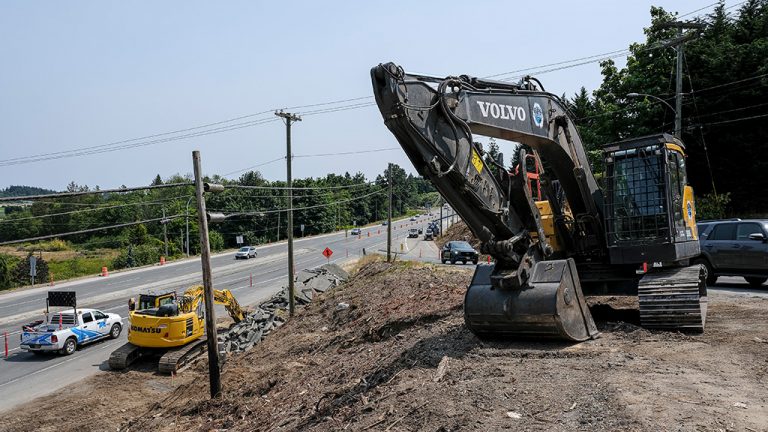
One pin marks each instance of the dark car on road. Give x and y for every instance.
(455, 251)
(735, 248)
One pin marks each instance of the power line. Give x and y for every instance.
(346, 153)
(298, 188)
(264, 212)
(95, 192)
(310, 155)
(253, 166)
(86, 231)
(88, 210)
(735, 120)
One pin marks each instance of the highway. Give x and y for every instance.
(25, 376)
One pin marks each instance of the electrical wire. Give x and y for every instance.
(90, 230)
(87, 210)
(94, 192)
(298, 188)
(264, 212)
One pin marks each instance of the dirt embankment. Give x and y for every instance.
(399, 358)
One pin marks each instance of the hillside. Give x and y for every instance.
(400, 358)
(14, 191)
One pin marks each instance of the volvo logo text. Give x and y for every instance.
(506, 112)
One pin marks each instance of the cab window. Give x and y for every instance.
(166, 300)
(723, 232)
(98, 315)
(87, 318)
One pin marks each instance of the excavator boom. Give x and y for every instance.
(534, 287)
(526, 292)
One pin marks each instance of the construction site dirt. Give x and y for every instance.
(388, 350)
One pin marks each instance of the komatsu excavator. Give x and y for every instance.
(635, 238)
(170, 327)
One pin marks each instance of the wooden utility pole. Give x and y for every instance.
(679, 44)
(289, 118)
(389, 215)
(164, 222)
(214, 373)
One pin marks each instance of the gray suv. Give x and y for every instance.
(734, 248)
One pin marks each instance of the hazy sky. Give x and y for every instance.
(79, 74)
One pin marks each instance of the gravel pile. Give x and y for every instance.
(268, 316)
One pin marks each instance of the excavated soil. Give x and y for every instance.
(399, 358)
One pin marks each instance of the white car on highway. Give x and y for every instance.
(246, 252)
(66, 330)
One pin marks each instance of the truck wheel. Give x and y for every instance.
(453, 262)
(464, 262)
(474, 262)
(70, 346)
(444, 261)
(115, 331)
(755, 282)
(708, 271)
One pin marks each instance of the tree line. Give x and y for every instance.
(725, 105)
(258, 214)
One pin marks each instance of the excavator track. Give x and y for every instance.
(175, 358)
(674, 299)
(124, 356)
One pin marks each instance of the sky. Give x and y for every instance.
(81, 74)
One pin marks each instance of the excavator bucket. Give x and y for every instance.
(551, 306)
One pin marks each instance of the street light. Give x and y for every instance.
(677, 122)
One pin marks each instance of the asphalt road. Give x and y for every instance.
(24, 376)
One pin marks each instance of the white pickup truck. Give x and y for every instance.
(64, 331)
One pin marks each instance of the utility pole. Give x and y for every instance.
(679, 43)
(278, 225)
(205, 258)
(441, 219)
(389, 215)
(164, 222)
(289, 118)
(187, 223)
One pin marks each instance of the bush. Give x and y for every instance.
(711, 206)
(216, 240)
(76, 267)
(55, 245)
(137, 256)
(20, 273)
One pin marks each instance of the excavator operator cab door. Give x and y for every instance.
(649, 208)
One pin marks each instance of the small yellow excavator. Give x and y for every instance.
(169, 326)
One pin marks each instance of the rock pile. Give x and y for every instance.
(267, 316)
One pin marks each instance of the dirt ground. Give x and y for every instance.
(399, 358)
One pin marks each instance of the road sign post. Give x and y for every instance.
(327, 254)
(239, 239)
(32, 269)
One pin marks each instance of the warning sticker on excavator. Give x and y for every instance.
(476, 161)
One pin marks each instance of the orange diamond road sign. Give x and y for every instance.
(327, 253)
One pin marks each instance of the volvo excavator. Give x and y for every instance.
(169, 326)
(635, 237)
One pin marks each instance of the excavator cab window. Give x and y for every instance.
(637, 204)
(677, 182)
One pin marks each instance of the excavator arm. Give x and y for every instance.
(193, 296)
(434, 120)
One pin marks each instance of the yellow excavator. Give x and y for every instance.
(169, 326)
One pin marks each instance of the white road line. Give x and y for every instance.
(52, 366)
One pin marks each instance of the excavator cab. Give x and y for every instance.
(650, 215)
(153, 301)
